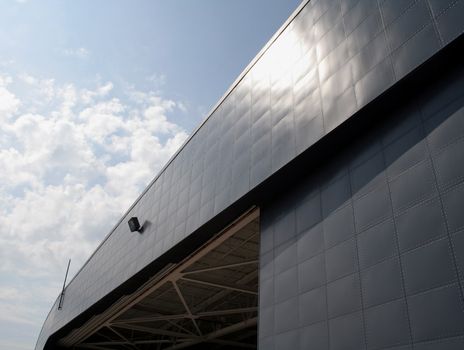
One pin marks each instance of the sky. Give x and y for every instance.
(89, 91)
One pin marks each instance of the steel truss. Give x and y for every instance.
(225, 269)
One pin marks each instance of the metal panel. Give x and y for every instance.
(329, 60)
(379, 235)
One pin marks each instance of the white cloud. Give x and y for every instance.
(6, 62)
(8, 102)
(11, 314)
(158, 80)
(68, 154)
(80, 52)
(8, 293)
(182, 106)
(43, 89)
(89, 96)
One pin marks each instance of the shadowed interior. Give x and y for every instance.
(209, 297)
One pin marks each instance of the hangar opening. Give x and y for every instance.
(209, 299)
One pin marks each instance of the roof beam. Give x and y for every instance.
(242, 310)
(150, 319)
(154, 331)
(182, 316)
(222, 286)
(221, 267)
(172, 272)
(122, 337)
(219, 333)
(187, 308)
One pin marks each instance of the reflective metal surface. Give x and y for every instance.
(368, 251)
(331, 59)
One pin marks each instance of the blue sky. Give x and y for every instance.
(175, 42)
(89, 91)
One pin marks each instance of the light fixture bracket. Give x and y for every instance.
(134, 225)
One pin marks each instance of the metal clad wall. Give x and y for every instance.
(332, 59)
(369, 252)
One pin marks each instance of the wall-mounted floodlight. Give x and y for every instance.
(134, 224)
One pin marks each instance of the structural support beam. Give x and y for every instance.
(187, 308)
(221, 267)
(122, 337)
(154, 331)
(222, 286)
(150, 341)
(217, 334)
(242, 310)
(151, 327)
(223, 293)
(183, 316)
(150, 319)
(180, 327)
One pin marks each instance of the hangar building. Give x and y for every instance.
(319, 206)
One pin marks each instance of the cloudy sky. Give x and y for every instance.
(89, 91)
